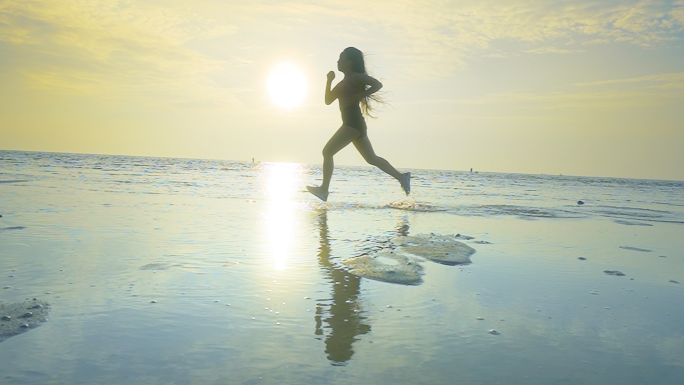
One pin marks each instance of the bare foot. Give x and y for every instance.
(318, 192)
(406, 182)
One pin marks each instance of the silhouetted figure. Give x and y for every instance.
(341, 314)
(354, 93)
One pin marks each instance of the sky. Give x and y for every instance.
(580, 87)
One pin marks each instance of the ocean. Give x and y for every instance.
(179, 271)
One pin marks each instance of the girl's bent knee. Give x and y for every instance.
(372, 161)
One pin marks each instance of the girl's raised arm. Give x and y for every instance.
(330, 96)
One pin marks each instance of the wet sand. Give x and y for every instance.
(20, 317)
(187, 286)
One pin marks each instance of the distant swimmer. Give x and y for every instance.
(354, 93)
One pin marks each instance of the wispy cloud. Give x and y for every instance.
(112, 47)
(438, 37)
(670, 78)
(124, 45)
(584, 100)
(501, 55)
(551, 49)
(569, 102)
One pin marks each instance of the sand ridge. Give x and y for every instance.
(20, 317)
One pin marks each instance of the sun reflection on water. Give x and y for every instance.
(281, 181)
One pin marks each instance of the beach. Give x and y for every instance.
(166, 270)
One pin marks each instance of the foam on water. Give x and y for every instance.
(397, 259)
(414, 206)
(402, 269)
(444, 249)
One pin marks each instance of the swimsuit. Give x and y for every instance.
(352, 117)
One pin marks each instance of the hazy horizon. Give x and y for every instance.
(536, 87)
(346, 165)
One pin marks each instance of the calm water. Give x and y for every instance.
(244, 270)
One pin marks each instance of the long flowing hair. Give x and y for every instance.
(358, 64)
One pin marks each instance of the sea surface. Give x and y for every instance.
(189, 271)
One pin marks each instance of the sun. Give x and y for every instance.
(287, 85)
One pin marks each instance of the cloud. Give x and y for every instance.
(671, 77)
(550, 49)
(585, 100)
(676, 16)
(501, 55)
(571, 101)
(596, 41)
(438, 37)
(112, 47)
(96, 45)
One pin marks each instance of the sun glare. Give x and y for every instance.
(281, 182)
(287, 85)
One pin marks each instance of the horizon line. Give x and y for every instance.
(347, 165)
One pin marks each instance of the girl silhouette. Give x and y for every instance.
(354, 93)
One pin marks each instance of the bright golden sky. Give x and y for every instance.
(556, 87)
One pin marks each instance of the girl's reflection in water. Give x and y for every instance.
(344, 318)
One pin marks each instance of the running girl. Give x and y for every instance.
(354, 93)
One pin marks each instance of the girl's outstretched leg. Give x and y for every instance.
(366, 149)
